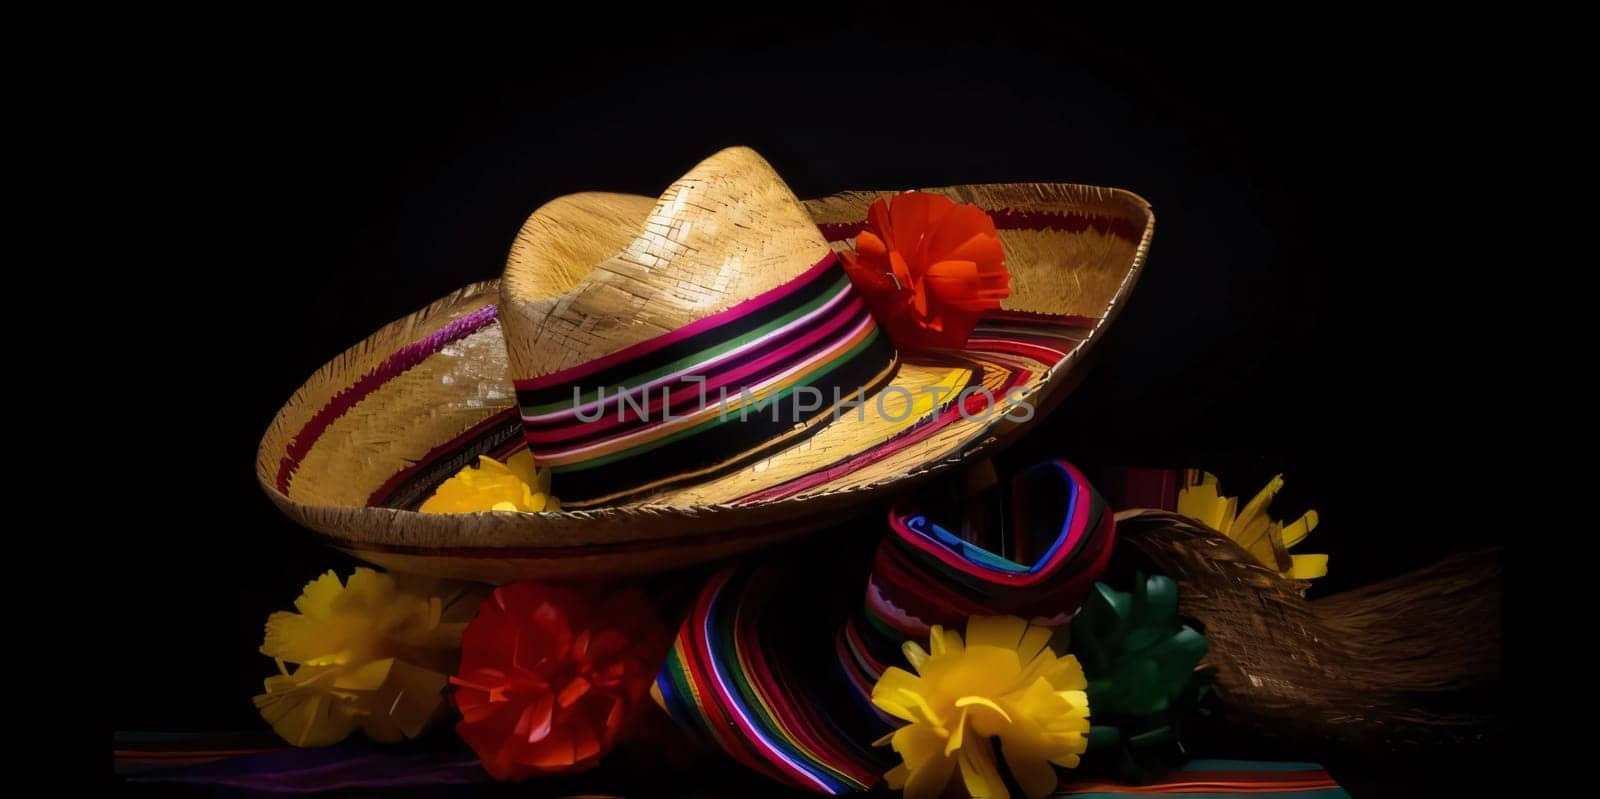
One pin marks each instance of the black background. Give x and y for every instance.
(298, 192)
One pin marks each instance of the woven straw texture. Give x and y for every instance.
(397, 399)
(726, 231)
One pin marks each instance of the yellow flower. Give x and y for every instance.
(374, 653)
(1005, 682)
(1269, 541)
(492, 485)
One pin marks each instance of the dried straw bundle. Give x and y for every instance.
(1389, 667)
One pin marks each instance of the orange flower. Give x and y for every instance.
(928, 267)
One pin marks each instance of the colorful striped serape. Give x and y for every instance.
(732, 676)
(250, 761)
(1200, 779)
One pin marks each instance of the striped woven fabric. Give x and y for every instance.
(710, 396)
(729, 680)
(731, 677)
(251, 762)
(1221, 778)
(1131, 487)
(1009, 349)
(1060, 538)
(259, 761)
(141, 751)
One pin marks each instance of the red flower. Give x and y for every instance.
(928, 267)
(546, 683)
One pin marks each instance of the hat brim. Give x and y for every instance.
(378, 427)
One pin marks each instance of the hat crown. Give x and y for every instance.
(648, 342)
(592, 274)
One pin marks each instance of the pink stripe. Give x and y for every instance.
(825, 310)
(759, 367)
(1042, 354)
(819, 743)
(865, 662)
(654, 429)
(1037, 319)
(719, 683)
(1077, 528)
(644, 348)
(395, 365)
(1010, 362)
(1010, 219)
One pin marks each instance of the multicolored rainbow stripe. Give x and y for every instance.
(729, 680)
(709, 396)
(726, 681)
(1061, 534)
(1200, 779)
(1016, 344)
(259, 762)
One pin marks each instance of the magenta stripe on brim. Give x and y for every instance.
(1010, 219)
(402, 361)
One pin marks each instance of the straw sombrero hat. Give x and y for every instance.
(727, 279)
